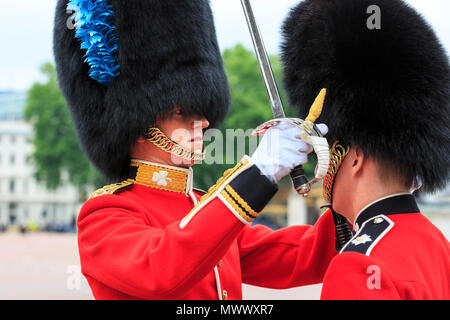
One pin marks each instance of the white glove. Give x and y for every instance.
(281, 150)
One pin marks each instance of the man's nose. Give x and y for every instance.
(200, 123)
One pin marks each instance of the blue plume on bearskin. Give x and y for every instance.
(94, 23)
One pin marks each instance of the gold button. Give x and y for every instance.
(219, 263)
(225, 295)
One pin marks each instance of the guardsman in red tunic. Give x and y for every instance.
(388, 112)
(143, 79)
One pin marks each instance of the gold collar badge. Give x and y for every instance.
(162, 177)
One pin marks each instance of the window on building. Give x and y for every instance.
(12, 159)
(25, 186)
(12, 186)
(12, 213)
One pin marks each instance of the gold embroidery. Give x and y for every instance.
(337, 155)
(214, 189)
(112, 188)
(220, 182)
(160, 177)
(241, 201)
(236, 207)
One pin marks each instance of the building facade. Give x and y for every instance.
(23, 200)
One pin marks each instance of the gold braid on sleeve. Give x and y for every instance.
(158, 138)
(337, 155)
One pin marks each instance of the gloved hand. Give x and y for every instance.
(281, 149)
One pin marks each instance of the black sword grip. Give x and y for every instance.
(298, 177)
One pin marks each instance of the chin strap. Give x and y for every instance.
(343, 232)
(159, 139)
(337, 155)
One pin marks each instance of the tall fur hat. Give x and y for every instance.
(125, 62)
(388, 89)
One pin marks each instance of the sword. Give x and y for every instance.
(298, 177)
(310, 134)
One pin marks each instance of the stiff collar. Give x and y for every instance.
(161, 177)
(392, 204)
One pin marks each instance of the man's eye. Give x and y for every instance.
(178, 111)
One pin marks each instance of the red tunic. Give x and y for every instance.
(397, 253)
(138, 241)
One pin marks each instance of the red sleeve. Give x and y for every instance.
(289, 257)
(121, 250)
(355, 276)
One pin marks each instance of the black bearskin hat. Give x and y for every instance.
(388, 88)
(122, 63)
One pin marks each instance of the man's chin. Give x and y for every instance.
(181, 162)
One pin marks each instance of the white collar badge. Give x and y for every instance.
(362, 239)
(161, 178)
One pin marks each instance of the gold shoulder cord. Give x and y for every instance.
(337, 155)
(158, 138)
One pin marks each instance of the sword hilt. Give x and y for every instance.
(314, 137)
(300, 181)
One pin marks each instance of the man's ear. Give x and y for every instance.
(358, 160)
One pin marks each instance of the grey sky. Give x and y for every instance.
(26, 31)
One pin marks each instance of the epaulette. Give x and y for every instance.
(112, 188)
(370, 233)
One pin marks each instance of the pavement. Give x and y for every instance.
(46, 266)
(41, 266)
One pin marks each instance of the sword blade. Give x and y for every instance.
(264, 63)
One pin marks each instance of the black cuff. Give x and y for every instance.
(254, 188)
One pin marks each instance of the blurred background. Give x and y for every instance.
(45, 177)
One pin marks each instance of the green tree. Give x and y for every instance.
(56, 147)
(250, 102)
